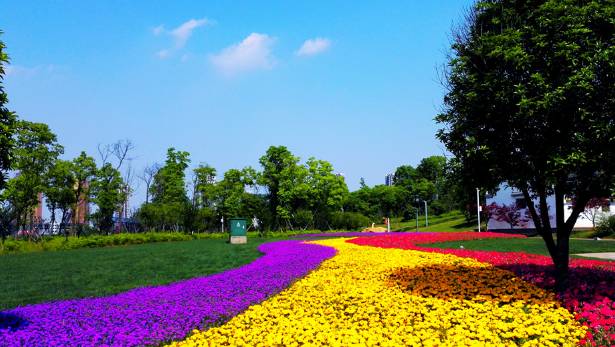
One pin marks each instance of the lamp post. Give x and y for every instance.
(478, 207)
(416, 199)
(426, 219)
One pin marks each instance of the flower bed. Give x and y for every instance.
(591, 292)
(393, 297)
(153, 315)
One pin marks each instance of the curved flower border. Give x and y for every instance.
(153, 315)
(591, 290)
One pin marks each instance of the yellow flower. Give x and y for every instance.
(393, 297)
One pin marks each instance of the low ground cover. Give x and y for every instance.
(393, 297)
(152, 315)
(591, 290)
(42, 276)
(60, 243)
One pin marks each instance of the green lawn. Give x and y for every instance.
(42, 276)
(452, 221)
(529, 245)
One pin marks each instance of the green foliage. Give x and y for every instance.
(279, 172)
(7, 123)
(59, 189)
(303, 219)
(108, 195)
(605, 227)
(530, 101)
(204, 186)
(35, 152)
(349, 221)
(169, 184)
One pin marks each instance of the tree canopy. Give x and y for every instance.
(530, 101)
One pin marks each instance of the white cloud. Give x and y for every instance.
(27, 71)
(158, 30)
(253, 53)
(163, 53)
(313, 46)
(182, 33)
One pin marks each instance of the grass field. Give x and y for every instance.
(529, 245)
(42, 276)
(452, 221)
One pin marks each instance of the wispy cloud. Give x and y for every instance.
(313, 46)
(253, 53)
(158, 30)
(180, 35)
(28, 71)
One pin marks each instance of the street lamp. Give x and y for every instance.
(426, 219)
(416, 199)
(478, 207)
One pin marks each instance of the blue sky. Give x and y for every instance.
(354, 83)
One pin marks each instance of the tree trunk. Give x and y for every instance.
(542, 225)
(563, 243)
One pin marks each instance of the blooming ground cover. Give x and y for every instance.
(591, 290)
(373, 295)
(153, 315)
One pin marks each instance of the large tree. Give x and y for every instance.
(279, 168)
(531, 101)
(327, 191)
(169, 184)
(108, 194)
(60, 192)
(7, 123)
(36, 150)
(84, 170)
(7, 129)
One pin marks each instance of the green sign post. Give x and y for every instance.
(238, 230)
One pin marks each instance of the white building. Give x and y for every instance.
(507, 196)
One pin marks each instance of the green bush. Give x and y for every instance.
(348, 221)
(605, 226)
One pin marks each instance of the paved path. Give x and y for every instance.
(602, 255)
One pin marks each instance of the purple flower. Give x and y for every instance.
(153, 315)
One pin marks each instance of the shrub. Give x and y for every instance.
(348, 220)
(605, 226)
(303, 219)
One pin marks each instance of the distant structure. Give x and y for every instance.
(38, 210)
(388, 179)
(82, 208)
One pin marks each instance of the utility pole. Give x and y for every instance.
(478, 207)
(426, 219)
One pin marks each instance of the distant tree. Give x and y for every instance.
(84, 170)
(510, 214)
(169, 185)
(36, 150)
(108, 195)
(530, 101)
(59, 191)
(405, 176)
(593, 208)
(204, 183)
(362, 183)
(149, 172)
(326, 191)
(433, 169)
(279, 170)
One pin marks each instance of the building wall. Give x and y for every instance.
(507, 195)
